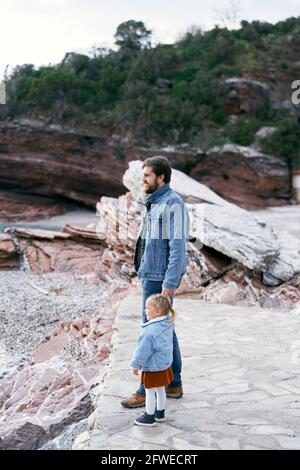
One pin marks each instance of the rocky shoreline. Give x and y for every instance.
(60, 287)
(55, 338)
(54, 343)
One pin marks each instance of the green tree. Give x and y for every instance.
(133, 35)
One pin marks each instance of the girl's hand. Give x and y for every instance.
(135, 371)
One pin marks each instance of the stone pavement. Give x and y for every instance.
(241, 375)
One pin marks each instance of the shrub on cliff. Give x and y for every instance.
(170, 92)
(285, 143)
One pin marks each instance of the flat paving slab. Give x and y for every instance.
(241, 379)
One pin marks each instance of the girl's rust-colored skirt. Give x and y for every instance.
(157, 379)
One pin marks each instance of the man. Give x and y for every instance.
(160, 257)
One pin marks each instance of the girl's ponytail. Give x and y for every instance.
(172, 314)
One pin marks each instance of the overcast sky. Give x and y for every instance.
(42, 31)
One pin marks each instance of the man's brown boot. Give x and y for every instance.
(135, 401)
(174, 392)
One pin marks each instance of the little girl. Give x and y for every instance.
(154, 355)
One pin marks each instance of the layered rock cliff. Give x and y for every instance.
(46, 170)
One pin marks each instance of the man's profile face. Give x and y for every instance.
(151, 182)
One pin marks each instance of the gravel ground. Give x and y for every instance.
(67, 438)
(28, 315)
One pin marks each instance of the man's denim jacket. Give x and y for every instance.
(154, 351)
(162, 242)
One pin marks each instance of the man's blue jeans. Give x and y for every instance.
(155, 287)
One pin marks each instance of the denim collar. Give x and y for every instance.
(154, 197)
(155, 320)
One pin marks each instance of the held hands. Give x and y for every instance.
(135, 371)
(168, 292)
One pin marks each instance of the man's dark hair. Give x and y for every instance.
(160, 166)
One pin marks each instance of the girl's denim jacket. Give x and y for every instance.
(154, 351)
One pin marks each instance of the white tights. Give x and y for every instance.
(161, 399)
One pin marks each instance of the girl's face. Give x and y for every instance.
(151, 310)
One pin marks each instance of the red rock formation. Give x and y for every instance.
(74, 250)
(239, 286)
(53, 391)
(9, 258)
(43, 163)
(25, 207)
(46, 162)
(120, 218)
(244, 176)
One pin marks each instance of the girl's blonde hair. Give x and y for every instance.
(164, 305)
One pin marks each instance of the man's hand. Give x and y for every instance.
(168, 293)
(135, 371)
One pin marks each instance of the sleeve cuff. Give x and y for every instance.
(134, 365)
(169, 285)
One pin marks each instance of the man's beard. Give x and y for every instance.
(151, 188)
